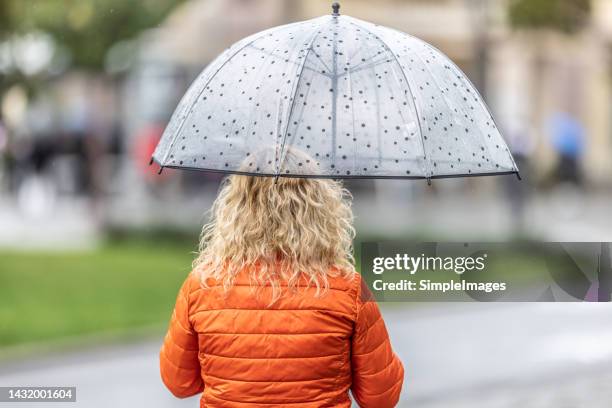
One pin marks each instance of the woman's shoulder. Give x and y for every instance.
(336, 279)
(347, 289)
(191, 284)
(342, 290)
(346, 282)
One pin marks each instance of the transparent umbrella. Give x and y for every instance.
(352, 99)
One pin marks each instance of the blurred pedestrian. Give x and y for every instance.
(568, 141)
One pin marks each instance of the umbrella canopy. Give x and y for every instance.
(352, 99)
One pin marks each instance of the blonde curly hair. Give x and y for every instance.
(283, 229)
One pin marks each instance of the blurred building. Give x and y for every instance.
(91, 134)
(536, 76)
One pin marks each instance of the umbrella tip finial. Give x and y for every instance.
(336, 9)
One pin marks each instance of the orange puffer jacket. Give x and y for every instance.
(303, 351)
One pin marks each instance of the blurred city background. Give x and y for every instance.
(94, 244)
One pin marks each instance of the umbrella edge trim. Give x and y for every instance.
(341, 177)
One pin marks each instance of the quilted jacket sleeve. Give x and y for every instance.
(378, 373)
(178, 358)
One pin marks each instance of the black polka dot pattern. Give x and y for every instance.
(355, 99)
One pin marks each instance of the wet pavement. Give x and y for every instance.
(456, 355)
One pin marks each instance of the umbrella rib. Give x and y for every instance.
(297, 83)
(433, 78)
(255, 84)
(360, 67)
(365, 65)
(355, 53)
(327, 69)
(269, 53)
(407, 84)
(229, 58)
(480, 98)
(446, 101)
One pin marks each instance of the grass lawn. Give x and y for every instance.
(129, 284)
(48, 296)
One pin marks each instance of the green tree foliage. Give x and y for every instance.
(5, 19)
(567, 16)
(87, 28)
